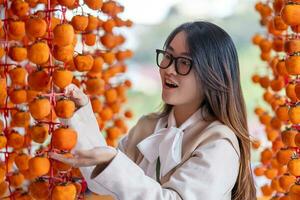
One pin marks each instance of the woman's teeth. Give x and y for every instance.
(171, 84)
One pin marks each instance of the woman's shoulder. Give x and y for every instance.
(151, 116)
(142, 129)
(148, 119)
(145, 124)
(217, 130)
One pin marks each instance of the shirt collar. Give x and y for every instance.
(196, 116)
(166, 141)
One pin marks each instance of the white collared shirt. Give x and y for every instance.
(166, 143)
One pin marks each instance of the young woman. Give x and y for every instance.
(197, 148)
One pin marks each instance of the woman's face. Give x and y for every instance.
(188, 90)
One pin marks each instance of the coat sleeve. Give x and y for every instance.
(209, 174)
(85, 124)
(88, 136)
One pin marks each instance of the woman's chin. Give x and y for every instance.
(168, 100)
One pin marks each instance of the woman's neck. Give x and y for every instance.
(183, 112)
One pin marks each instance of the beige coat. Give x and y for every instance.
(208, 169)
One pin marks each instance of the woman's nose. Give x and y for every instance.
(171, 69)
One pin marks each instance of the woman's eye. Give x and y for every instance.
(167, 56)
(184, 62)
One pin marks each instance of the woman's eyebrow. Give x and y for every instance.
(183, 53)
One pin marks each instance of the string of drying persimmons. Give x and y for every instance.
(45, 45)
(280, 51)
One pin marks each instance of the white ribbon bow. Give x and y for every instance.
(165, 143)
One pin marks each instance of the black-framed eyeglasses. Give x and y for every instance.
(164, 60)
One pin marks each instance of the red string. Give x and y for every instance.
(62, 176)
(51, 95)
(6, 109)
(296, 126)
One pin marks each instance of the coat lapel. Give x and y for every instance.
(190, 142)
(140, 131)
(192, 138)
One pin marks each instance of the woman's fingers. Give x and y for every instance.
(75, 161)
(73, 91)
(83, 162)
(91, 153)
(84, 158)
(76, 94)
(61, 158)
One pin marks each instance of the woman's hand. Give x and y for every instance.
(85, 158)
(75, 94)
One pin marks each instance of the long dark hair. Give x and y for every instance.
(217, 68)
